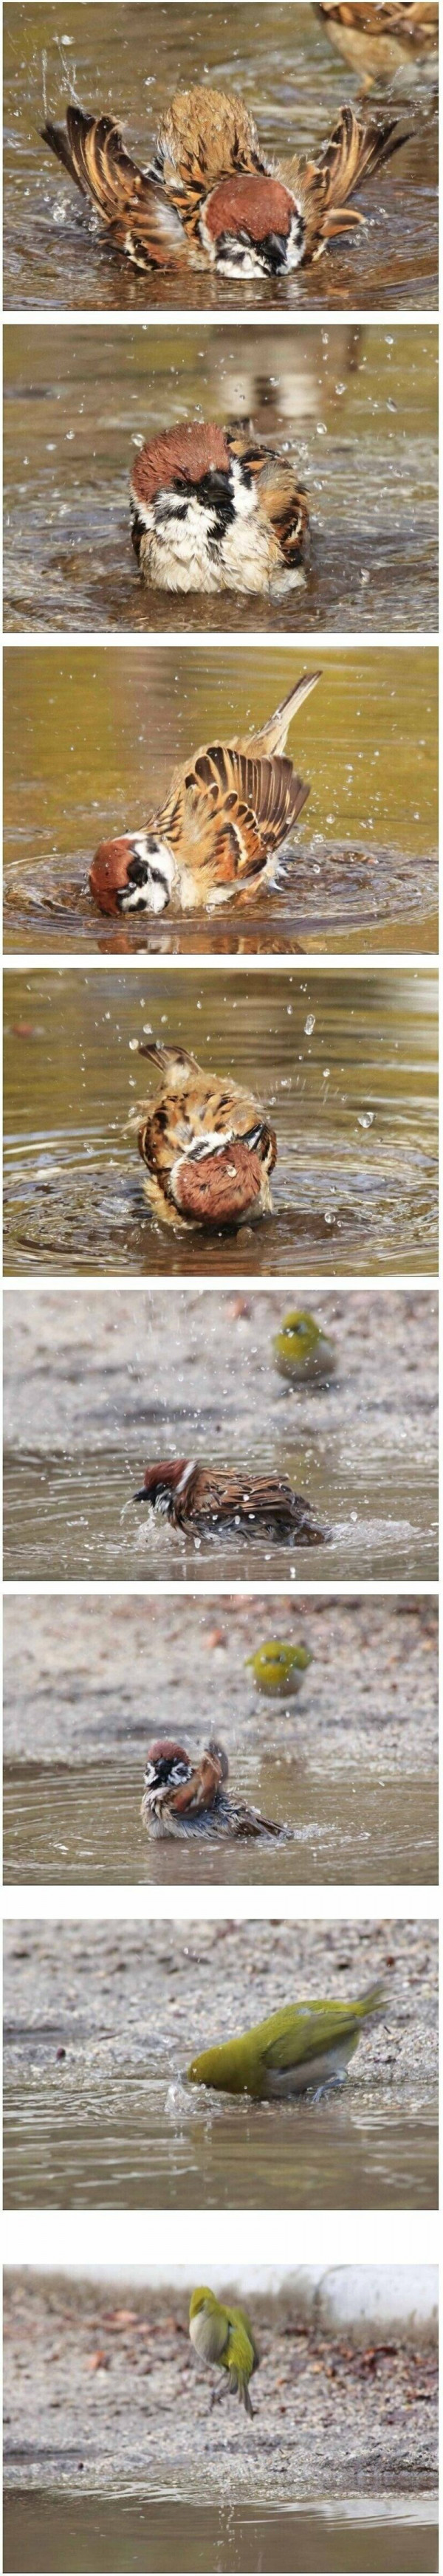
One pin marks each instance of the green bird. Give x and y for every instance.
(224, 2335)
(304, 2046)
(302, 1350)
(279, 1669)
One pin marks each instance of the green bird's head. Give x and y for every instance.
(279, 1668)
(301, 1349)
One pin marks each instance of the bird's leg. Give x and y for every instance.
(218, 2393)
(330, 2083)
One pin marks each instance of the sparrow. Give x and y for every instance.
(213, 510)
(224, 2335)
(305, 2046)
(220, 831)
(183, 1797)
(206, 1145)
(209, 199)
(279, 1670)
(197, 1498)
(303, 1351)
(397, 41)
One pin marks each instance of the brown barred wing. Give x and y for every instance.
(352, 153)
(236, 813)
(133, 207)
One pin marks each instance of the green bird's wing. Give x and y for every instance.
(306, 2030)
(240, 2353)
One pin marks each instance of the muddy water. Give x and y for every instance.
(90, 743)
(83, 2135)
(71, 1520)
(287, 74)
(153, 1374)
(348, 1074)
(73, 1825)
(365, 443)
(134, 2533)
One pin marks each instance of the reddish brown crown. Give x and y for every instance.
(259, 206)
(164, 1749)
(164, 1471)
(183, 454)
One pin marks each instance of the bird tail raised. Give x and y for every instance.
(373, 2000)
(272, 736)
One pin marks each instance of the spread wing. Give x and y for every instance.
(238, 810)
(412, 20)
(131, 204)
(352, 153)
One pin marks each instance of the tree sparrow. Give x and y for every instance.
(209, 199)
(224, 2335)
(306, 2045)
(396, 41)
(220, 831)
(195, 1497)
(183, 1797)
(213, 510)
(206, 1145)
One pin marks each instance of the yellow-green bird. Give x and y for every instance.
(302, 1351)
(224, 2335)
(279, 1669)
(305, 2045)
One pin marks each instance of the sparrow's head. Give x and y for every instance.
(162, 1756)
(161, 1480)
(217, 1183)
(135, 874)
(252, 227)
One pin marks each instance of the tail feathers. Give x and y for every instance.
(239, 2388)
(272, 736)
(171, 1060)
(373, 1998)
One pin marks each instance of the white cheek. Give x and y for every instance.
(296, 243)
(245, 494)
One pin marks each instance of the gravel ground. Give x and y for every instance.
(100, 1677)
(80, 1368)
(131, 1994)
(98, 2382)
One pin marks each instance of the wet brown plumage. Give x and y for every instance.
(226, 816)
(209, 197)
(205, 1143)
(198, 1497)
(181, 1796)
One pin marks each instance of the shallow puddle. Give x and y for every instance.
(367, 452)
(347, 1073)
(131, 2535)
(88, 2133)
(90, 744)
(286, 72)
(83, 1825)
(73, 1519)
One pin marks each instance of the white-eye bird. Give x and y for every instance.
(224, 2335)
(305, 2046)
(302, 1351)
(279, 1669)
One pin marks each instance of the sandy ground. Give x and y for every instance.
(84, 1371)
(102, 2384)
(87, 1679)
(131, 1993)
